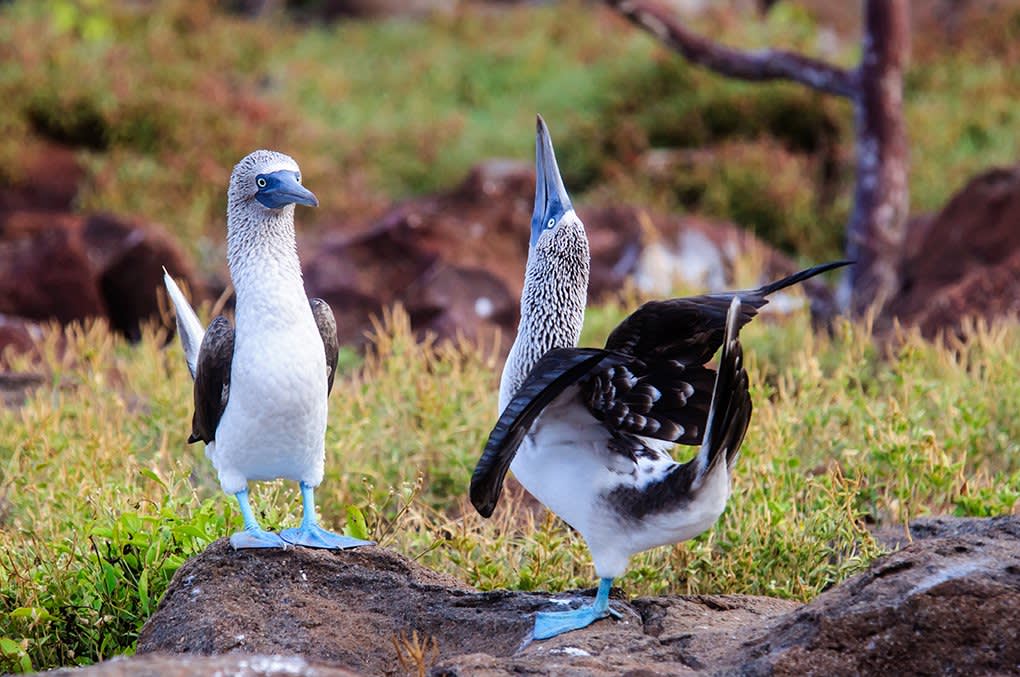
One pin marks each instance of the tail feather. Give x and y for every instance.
(800, 276)
(189, 328)
(730, 411)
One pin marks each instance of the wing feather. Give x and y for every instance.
(555, 372)
(326, 322)
(212, 379)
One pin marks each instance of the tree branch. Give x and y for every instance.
(766, 64)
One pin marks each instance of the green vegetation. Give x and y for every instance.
(101, 499)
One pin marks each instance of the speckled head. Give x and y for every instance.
(267, 180)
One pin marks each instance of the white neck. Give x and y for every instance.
(263, 261)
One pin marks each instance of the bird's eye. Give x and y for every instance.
(261, 182)
(552, 222)
(297, 177)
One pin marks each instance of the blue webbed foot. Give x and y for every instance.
(253, 536)
(311, 535)
(257, 538)
(551, 623)
(314, 536)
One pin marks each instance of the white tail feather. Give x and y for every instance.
(189, 328)
(706, 443)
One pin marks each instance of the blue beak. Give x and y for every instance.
(551, 199)
(282, 188)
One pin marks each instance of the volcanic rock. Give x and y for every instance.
(964, 261)
(947, 603)
(68, 267)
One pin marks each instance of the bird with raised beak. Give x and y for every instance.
(589, 432)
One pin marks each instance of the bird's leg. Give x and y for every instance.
(311, 535)
(253, 536)
(551, 623)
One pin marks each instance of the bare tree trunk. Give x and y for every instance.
(877, 226)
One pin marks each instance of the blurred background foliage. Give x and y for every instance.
(161, 98)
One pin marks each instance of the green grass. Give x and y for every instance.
(101, 499)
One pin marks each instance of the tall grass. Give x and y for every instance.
(101, 499)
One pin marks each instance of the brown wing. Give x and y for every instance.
(326, 322)
(212, 379)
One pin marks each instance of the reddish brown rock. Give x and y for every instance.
(456, 260)
(964, 261)
(129, 256)
(47, 179)
(68, 267)
(45, 270)
(987, 292)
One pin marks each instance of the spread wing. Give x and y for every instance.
(212, 379)
(557, 370)
(661, 399)
(691, 329)
(326, 322)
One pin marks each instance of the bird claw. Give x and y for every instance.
(314, 536)
(257, 538)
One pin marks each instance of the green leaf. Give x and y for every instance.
(143, 590)
(148, 473)
(32, 612)
(9, 647)
(356, 526)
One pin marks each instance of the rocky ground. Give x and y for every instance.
(947, 602)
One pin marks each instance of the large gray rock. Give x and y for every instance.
(946, 603)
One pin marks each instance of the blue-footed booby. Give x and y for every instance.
(588, 431)
(261, 386)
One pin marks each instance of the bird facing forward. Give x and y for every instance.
(261, 387)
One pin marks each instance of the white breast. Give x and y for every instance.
(565, 462)
(275, 420)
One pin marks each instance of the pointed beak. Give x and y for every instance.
(549, 186)
(283, 189)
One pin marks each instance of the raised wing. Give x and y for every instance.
(663, 399)
(690, 330)
(558, 369)
(326, 322)
(212, 379)
(728, 418)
